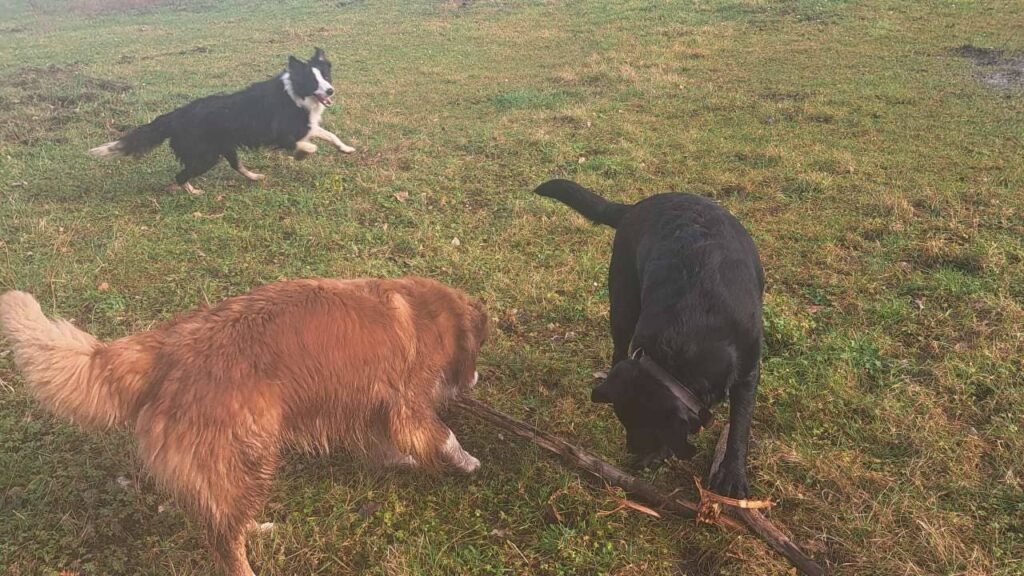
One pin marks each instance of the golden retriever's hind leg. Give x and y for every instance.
(229, 548)
(238, 506)
(227, 489)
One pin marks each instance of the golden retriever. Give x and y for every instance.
(214, 396)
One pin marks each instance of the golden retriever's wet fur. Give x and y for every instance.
(215, 395)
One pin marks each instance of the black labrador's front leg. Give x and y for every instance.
(730, 479)
(624, 297)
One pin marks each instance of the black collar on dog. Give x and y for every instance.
(681, 392)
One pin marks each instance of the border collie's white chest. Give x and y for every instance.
(310, 104)
(315, 110)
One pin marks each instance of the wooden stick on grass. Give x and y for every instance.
(753, 519)
(763, 527)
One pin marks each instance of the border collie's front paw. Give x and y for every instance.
(346, 149)
(731, 484)
(304, 150)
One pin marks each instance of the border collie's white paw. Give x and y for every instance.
(251, 176)
(304, 149)
(187, 187)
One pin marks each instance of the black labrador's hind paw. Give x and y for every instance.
(729, 483)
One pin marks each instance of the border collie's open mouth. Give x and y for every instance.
(325, 100)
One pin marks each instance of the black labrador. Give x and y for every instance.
(686, 289)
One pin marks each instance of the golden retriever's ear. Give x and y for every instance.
(481, 322)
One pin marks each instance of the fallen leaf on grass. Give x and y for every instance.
(401, 196)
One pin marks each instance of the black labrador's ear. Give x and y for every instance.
(318, 55)
(617, 384)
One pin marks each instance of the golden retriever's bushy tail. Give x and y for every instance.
(71, 372)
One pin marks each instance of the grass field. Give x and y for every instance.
(862, 143)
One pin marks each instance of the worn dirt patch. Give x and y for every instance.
(129, 58)
(996, 68)
(105, 7)
(95, 7)
(37, 102)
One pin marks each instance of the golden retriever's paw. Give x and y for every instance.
(258, 528)
(402, 461)
(467, 464)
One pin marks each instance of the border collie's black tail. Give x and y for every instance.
(582, 200)
(138, 141)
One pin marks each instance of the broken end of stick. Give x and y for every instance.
(732, 519)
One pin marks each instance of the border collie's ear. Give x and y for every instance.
(294, 62)
(616, 384)
(318, 55)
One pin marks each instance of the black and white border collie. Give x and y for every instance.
(282, 112)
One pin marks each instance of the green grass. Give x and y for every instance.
(880, 178)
